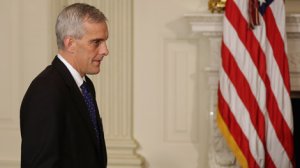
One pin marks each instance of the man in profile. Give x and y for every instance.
(59, 117)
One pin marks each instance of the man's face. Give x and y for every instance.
(91, 48)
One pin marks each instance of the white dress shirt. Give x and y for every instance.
(75, 74)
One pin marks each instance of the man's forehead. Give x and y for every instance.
(96, 27)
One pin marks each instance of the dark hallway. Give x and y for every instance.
(296, 114)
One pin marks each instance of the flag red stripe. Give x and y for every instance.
(269, 162)
(258, 57)
(244, 91)
(277, 44)
(281, 128)
(283, 131)
(247, 37)
(235, 130)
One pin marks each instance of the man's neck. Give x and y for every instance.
(71, 59)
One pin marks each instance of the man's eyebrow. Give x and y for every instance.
(98, 39)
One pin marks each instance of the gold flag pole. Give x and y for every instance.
(216, 5)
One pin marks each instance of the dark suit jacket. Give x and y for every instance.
(55, 126)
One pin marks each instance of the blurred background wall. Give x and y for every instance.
(152, 90)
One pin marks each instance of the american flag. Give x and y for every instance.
(254, 106)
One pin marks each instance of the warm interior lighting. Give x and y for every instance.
(216, 5)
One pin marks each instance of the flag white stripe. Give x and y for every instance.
(245, 64)
(274, 147)
(277, 84)
(276, 80)
(278, 10)
(272, 68)
(283, 97)
(242, 117)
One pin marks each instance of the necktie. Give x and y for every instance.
(89, 101)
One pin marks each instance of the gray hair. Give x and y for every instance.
(70, 21)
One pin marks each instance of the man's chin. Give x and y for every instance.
(94, 72)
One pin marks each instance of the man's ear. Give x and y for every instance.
(70, 44)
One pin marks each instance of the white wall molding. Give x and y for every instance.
(180, 85)
(10, 63)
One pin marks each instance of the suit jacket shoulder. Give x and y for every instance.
(55, 126)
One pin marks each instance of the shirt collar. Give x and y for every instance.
(75, 74)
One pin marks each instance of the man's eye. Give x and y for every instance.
(96, 43)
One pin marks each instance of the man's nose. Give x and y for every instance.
(103, 49)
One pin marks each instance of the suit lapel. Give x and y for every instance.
(76, 96)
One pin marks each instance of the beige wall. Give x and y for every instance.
(292, 6)
(168, 116)
(24, 50)
(170, 106)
